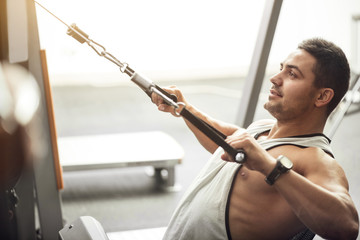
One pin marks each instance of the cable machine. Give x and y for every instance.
(41, 180)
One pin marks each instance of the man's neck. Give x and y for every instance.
(296, 127)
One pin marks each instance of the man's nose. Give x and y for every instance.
(276, 79)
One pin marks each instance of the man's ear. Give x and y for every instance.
(324, 97)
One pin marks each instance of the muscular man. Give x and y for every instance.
(290, 181)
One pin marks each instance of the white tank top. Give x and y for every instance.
(201, 213)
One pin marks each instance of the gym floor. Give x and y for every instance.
(127, 199)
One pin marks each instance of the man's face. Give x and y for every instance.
(293, 93)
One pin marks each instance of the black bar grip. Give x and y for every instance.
(238, 155)
(171, 96)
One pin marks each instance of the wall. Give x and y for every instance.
(186, 39)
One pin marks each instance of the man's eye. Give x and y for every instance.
(292, 74)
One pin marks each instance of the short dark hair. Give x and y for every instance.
(331, 70)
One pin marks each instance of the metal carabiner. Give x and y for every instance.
(175, 108)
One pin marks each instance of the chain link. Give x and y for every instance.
(101, 51)
(82, 37)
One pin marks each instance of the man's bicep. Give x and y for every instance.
(324, 171)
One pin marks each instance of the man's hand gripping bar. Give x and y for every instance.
(149, 87)
(215, 135)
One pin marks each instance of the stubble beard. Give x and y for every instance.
(273, 109)
(279, 112)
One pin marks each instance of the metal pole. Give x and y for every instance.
(258, 65)
(47, 193)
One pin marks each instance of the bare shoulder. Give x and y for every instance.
(320, 168)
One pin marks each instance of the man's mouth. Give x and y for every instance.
(275, 92)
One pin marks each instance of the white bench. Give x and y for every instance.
(156, 149)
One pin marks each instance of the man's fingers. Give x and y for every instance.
(156, 99)
(226, 157)
(164, 107)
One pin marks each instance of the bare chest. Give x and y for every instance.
(256, 207)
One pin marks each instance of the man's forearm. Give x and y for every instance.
(207, 143)
(330, 215)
